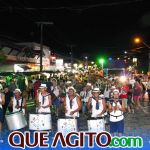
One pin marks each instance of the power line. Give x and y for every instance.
(81, 8)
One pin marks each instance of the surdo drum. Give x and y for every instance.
(66, 125)
(40, 121)
(96, 125)
(16, 120)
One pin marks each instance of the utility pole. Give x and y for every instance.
(41, 41)
(71, 56)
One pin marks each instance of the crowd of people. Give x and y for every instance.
(95, 97)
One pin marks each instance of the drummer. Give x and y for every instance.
(72, 103)
(2, 101)
(96, 104)
(18, 102)
(43, 100)
(116, 109)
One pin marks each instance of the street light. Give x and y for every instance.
(138, 40)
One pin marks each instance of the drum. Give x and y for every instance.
(40, 121)
(16, 121)
(66, 125)
(96, 125)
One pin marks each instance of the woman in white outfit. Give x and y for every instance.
(43, 100)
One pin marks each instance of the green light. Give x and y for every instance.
(101, 61)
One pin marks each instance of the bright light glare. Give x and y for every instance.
(101, 61)
(123, 79)
(137, 40)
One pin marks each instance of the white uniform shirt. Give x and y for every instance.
(19, 104)
(44, 103)
(95, 111)
(117, 115)
(74, 107)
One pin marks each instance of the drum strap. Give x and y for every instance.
(116, 116)
(43, 97)
(97, 104)
(17, 102)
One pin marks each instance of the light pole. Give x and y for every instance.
(41, 41)
(138, 40)
(101, 61)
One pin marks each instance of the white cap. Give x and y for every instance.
(88, 84)
(96, 90)
(17, 90)
(113, 87)
(116, 91)
(43, 86)
(71, 88)
(102, 96)
(68, 82)
(53, 79)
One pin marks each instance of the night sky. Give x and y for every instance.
(91, 27)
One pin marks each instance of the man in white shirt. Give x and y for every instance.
(18, 102)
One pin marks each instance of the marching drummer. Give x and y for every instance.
(43, 100)
(18, 101)
(116, 109)
(2, 101)
(72, 103)
(96, 104)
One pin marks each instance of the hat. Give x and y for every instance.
(96, 90)
(88, 84)
(53, 79)
(68, 82)
(17, 90)
(116, 90)
(71, 88)
(102, 96)
(113, 87)
(43, 86)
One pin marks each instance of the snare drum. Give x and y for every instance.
(40, 121)
(96, 125)
(66, 125)
(16, 121)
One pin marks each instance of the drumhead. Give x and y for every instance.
(17, 112)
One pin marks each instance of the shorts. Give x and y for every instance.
(117, 127)
(136, 97)
(124, 100)
(1, 115)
